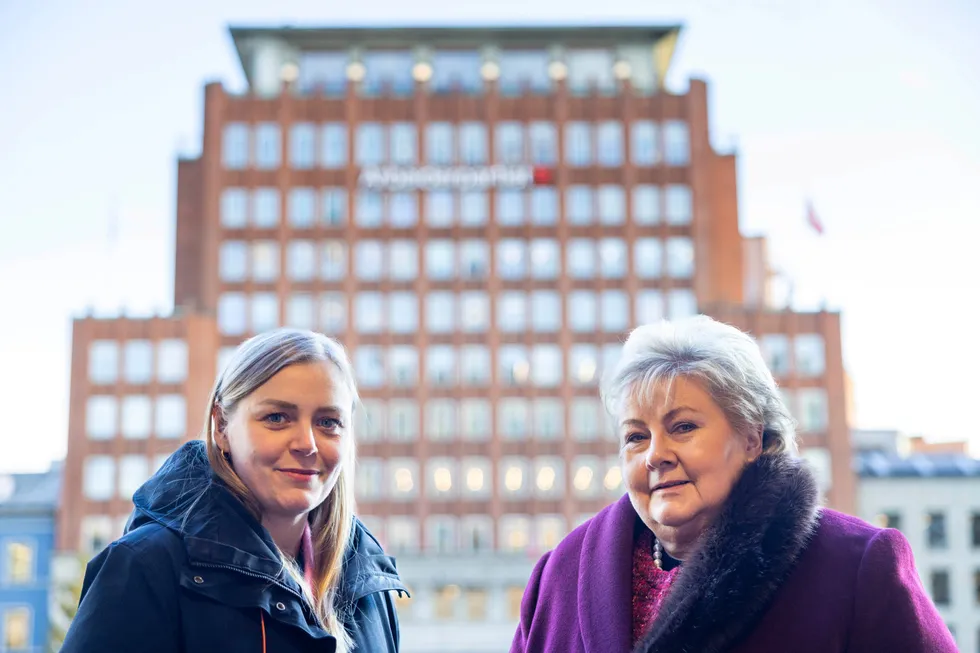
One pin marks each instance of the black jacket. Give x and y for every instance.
(196, 573)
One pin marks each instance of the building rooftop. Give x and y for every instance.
(30, 492)
(875, 464)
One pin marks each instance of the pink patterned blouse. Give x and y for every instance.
(650, 585)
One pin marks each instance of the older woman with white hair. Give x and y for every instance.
(719, 544)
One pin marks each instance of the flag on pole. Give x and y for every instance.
(812, 219)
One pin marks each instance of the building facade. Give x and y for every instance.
(481, 216)
(28, 505)
(934, 499)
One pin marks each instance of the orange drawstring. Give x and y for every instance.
(262, 620)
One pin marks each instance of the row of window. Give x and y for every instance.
(137, 362)
(444, 259)
(802, 355)
(18, 564)
(455, 603)
(17, 625)
(940, 583)
(937, 527)
(444, 143)
(135, 417)
(446, 312)
(584, 205)
(104, 477)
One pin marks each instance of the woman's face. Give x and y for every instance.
(680, 456)
(287, 438)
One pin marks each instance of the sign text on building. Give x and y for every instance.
(460, 177)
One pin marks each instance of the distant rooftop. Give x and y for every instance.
(30, 492)
(876, 464)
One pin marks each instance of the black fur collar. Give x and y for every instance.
(724, 588)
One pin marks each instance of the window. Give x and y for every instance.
(440, 367)
(404, 366)
(333, 312)
(17, 629)
(265, 261)
(404, 208)
(474, 259)
(511, 311)
(590, 70)
(475, 365)
(403, 535)
(580, 258)
(323, 73)
(234, 208)
(440, 476)
(648, 258)
(680, 258)
(939, 586)
(440, 312)
(403, 312)
(809, 355)
(510, 207)
(96, 533)
(234, 146)
(474, 417)
(265, 213)
(975, 530)
(370, 208)
(514, 596)
(474, 310)
(509, 138)
(404, 143)
(544, 205)
(171, 361)
(585, 476)
(100, 417)
(546, 365)
(578, 144)
(440, 420)
(612, 258)
(514, 365)
(548, 531)
(333, 261)
(370, 425)
(446, 598)
(513, 421)
(103, 361)
(544, 143)
(404, 473)
(333, 209)
(403, 421)
(473, 143)
(679, 204)
(233, 261)
(511, 259)
(812, 403)
(301, 207)
(265, 311)
(302, 145)
(20, 563)
(439, 208)
(583, 365)
(370, 366)
(544, 258)
(612, 204)
(369, 144)
(585, 419)
(889, 519)
(643, 143)
(133, 472)
(475, 478)
(609, 151)
(369, 259)
(439, 143)
(388, 72)
(403, 260)
(582, 311)
(515, 531)
(333, 145)
(578, 205)
(225, 355)
(936, 530)
(649, 307)
(545, 311)
(441, 534)
(646, 204)
(138, 362)
(523, 71)
(612, 480)
(474, 209)
(549, 419)
(301, 260)
(677, 148)
(456, 71)
(614, 310)
(976, 587)
(369, 478)
(268, 147)
(369, 312)
(476, 531)
(775, 351)
(98, 478)
(170, 416)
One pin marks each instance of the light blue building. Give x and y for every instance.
(28, 504)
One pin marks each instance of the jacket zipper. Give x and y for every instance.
(246, 572)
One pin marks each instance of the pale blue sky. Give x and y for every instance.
(870, 107)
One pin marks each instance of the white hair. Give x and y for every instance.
(726, 362)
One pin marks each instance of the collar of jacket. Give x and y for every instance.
(725, 586)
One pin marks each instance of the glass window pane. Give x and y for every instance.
(544, 258)
(546, 311)
(301, 260)
(680, 258)
(578, 205)
(370, 366)
(133, 472)
(404, 366)
(578, 143)
(677, 147)
(679, 204)
(590, 70)
(440, 259)
(302, 145)
(300, 313)
(333, 209)
(265, 209)
(544, 205)
(234, 146)
(439, 208)
(649, 307)
(333, 145)
(549, 419)
(511, 259)
(101, 417)
(136, 412)
(369, 260)
(370, 144)
(582, 311)
(515, 366)
(368, 312)
(509, 142)
(614, 310)
(643, 143)
(404, 143)
(646, 204)
(513, 419)
(523, 71)
(302, 207)
(388, 73)
(809, 355)
(474, 258)
(648, 258)
(439, 143)
(473, 143)
(474, 311)
(265, 260)
(98, 478)
(474, 208)
(612, 258)
(233, 261)
(546, 365)
(440, 312)
(333, 262)
(475, 365)
(333, 313)
(268, 146)
(580, 254)
(510, 207)
(511, 311)
(138, 361)
(612, 204)
(475, 420)
(103, 361)
(370, 208)
(404, 209)
(609, 152)
(323, 73)
(681, 303)
(543, 139)
(456, 71)
(441, 366)
(171, 361)
(403, 260)
(234, 208)
(403, 312)
(232, 314)
(265, 311)
(583, 365)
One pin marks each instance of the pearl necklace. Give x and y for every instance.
(658, 554)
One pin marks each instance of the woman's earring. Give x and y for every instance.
(226, 455)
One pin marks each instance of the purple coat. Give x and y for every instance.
(773, 574)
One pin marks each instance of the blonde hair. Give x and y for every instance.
(254, 362)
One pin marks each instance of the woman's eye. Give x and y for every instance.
(634, 437)
(275, 418)
(684, 427)
(329, 423)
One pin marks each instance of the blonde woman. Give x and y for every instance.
(247, 541)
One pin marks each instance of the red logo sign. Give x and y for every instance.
(543, 176)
